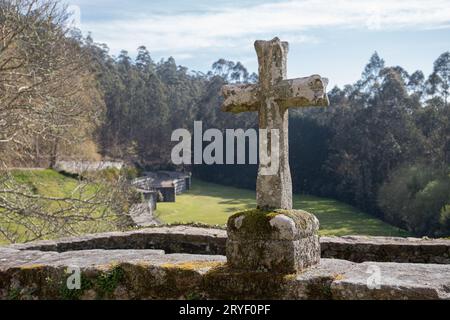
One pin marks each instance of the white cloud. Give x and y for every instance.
(236, 28)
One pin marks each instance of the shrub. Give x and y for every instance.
(416, 197)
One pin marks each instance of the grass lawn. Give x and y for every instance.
(212, 204)
(46, 182)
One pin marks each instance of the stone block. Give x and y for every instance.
(283, 256)
(283, 241)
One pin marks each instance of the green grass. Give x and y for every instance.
(46, 182)
(212, 204)
(49, 183)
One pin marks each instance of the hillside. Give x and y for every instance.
(51, 184)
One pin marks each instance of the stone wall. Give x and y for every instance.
(153, 274)
(186, 239)
(150, 197)
(184, 262)
(169, 194)
(78, 167)
(386, 249)
(179, 239)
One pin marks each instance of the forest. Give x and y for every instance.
(383, 145)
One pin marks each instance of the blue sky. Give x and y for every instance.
(332, 38)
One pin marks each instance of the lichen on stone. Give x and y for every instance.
(192, 265)
(32, 266)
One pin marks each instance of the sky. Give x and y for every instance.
(332, 38)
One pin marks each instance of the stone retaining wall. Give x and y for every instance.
(79, 167)
(193, 240)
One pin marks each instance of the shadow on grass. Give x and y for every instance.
(338, 219)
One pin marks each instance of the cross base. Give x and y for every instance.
(279, 241)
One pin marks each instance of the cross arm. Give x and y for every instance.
(240, 98)
(302, 92)
(299, 92)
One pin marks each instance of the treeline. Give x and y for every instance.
(147, 100)
(383, 145)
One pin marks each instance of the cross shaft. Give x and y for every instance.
(272, 98)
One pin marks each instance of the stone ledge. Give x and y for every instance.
(398, 281)
(149, 274)
(110, 274)
(386, 249)
(178, 239)
(186, 239)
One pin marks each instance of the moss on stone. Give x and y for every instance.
(320, 289)
(256, 222)
(13, 294)
(182, 280)
(179, 282)
(195, 295)
(108, 281)
(224, 282)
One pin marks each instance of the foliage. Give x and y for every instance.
(439, 82)
(417, 198)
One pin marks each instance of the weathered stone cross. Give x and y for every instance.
(272, 98)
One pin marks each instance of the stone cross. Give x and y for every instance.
(272, 98)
